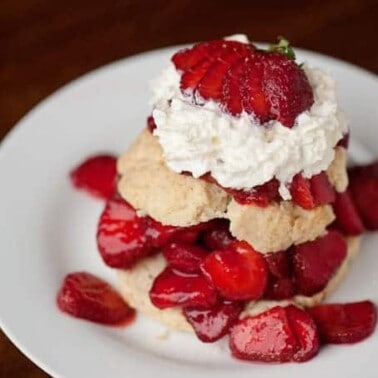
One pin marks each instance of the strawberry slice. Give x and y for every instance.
(280, 283)
(151, 125)
(96, 176)
(345, 323)
(121, 235)
(364, 190)
(231, 97)
(241, 78)
(321, 189)
(172, 288)
(238, 272)
(306, 333)
(347, 219)
(286, 88)
(158, 234)
(253, 97)
(212, 324)
(281, 334)
(267, 337)
(191, 78)
(184, 257)
(344, 142)
(86, 296)
(316, 262)
(300, 190)
(219, 237)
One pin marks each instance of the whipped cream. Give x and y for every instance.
(237, 151)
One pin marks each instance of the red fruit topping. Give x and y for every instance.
(157, 234)
(344, 323)
(184, 257)
(347, 219)
(364, 190)
(239, 77)
(86, 296)
(96, 175)
(309, 193)
(121, 235)
(212, 324)
(280, 283)
(261, 195)
(219, 237)
(317, 261)
(238, 272)
(280, 288)
(300, 190)
(306, 333)
(286, 88)
(278, 264)
(172, 288)
(151, 125)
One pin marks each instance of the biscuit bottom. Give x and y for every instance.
(134, 285)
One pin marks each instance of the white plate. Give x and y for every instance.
(48, 230)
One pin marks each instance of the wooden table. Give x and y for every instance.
(45, 44)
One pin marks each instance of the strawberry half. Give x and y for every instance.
(363, 185)
(281, 334)
(172, 288)
(212, 324)
(317, 261)
(241, 78)
(280, 282)
(86, 296)
(345, 323)
(121, 237)
(347, 219)
(238, 272)
(184, 257)
(96, 176)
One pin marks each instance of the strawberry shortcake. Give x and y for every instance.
(232, 213)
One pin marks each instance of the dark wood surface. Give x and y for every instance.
(45, 44)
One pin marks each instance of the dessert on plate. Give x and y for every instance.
(232, 213)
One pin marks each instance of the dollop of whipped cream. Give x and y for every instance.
(237, 151)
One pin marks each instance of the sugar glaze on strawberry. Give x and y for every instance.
(246, 144)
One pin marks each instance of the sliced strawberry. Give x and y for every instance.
(191, 78)
(219, 237)
(364, 190)
(96, 175)
(172, 288)
(86, 296)
(157, 234)
(267, 337)
(280, 283)
(345, 323)
(306, 333)
(278, 264)
(261, 195)
(210, 87)
(238, 272)
(286, 88)
(281, 334)
(253, 97)
(266, 84)
(121, 235)
(321, 189)
(151, 125)
(317, 261)
(300, 190)
(184, 257)
(212, 324)
(231, 97)
(347, 219)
